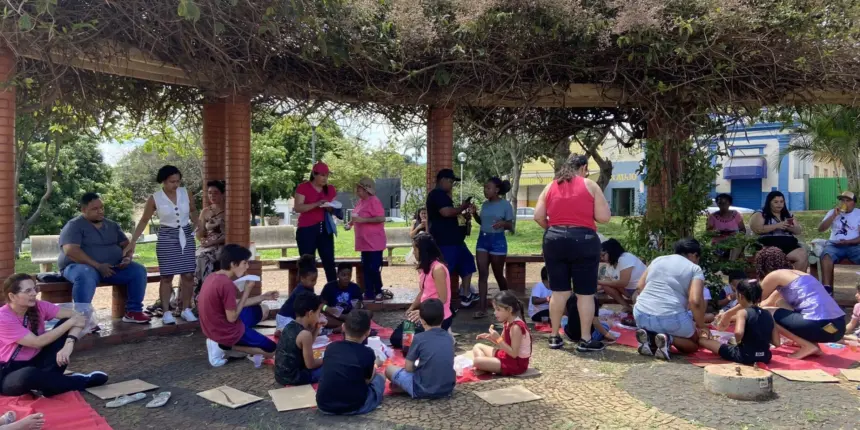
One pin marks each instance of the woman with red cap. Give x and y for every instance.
(313, 204)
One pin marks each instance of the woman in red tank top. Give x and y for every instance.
(568, 209)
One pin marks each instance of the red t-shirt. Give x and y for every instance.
(217, 296)
(315, 215)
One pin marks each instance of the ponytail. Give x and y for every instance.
(509, 299)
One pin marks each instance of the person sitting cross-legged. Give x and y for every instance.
(844, 244)
(295, 363)
(228, 321)
(91, 251)
(429, 371)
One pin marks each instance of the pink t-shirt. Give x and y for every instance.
(12, 330)
(723, 226)
(428, 286)
(316, 215)
(856, 313)
(369, 236)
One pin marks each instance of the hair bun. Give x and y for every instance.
(307, 261)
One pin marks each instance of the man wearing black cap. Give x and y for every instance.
(446, 231)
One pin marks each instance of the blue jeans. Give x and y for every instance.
(250, 317)
(842, 253)
(680, 324)
(85, 279)
(314, 239)
(374, 396)
(492, 243)
(372, 264)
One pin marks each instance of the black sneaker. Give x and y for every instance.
(663, 344)
(644, 343)
(829, 290)
(590, 346)
(94, 379)
(556, 342)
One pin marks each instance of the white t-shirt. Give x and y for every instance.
(541, 291)
(626, 261)
(667, 287)
(846, 226)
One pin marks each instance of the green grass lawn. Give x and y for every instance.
(527, 240)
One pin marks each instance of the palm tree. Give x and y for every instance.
(831, 134)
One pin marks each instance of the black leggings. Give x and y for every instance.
(315, 239)
(40, 373)
(539, 316)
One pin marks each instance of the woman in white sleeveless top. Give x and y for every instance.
(177, 216)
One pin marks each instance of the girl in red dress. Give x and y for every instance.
(513, 347)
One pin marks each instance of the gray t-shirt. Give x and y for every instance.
(493, 212)
(435, 376)
(102, 245)
(667, 287)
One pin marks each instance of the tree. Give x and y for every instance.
(413, 182)
(830, 134)
(136, 171)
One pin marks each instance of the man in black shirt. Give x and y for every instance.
(444, 226)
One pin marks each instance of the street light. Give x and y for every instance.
(462, 158)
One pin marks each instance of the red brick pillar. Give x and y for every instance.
(440, 142)
(659, 194)
(214, 141)
(238, 170)
(7, 164)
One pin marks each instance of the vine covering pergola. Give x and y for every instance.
(669, 60)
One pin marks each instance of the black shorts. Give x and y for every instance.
(817, 331)
(733, 353)
(786, 244)
(572, 256)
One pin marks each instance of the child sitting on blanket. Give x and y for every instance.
(340, 295)
(307, 281)
(513, 348)
(539, 300)
(754, 329)
(852, 326)
(295, 363)
(349, 383)
(433, 350)
(599, 331)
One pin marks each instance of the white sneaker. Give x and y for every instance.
(216, 354)
(188, 315)
(257, 359)
(168, 319)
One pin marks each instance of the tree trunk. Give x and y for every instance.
(516, 172)
(561, 153)
(22, 226)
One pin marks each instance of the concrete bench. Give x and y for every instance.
(292, 266)
(44, 251)
(281, 237)
(397, 237)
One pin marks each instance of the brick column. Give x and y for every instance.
(7, 164)
(440, 142)
(238, 170)
(214, 141)
(659, 194)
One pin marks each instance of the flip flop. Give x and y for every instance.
(124, 400)
(159, 400)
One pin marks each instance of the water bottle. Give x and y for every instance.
(408, 334)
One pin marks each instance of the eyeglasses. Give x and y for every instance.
(34, 290)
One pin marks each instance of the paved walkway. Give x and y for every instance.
(612, 389)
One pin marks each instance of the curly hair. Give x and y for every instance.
(770, 259)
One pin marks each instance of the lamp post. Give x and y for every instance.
(461, 157)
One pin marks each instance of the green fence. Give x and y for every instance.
(822, 192)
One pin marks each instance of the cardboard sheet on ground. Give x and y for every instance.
(508, 396)
(229, 397)
(266, 331)
(851, 374)
(292, 398)
(112, 391)
(67, 411)
(814, 375)
(267, 323)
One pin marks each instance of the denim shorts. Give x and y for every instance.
(680, 324)
(493, 243)
(403, 379)
(842, 253)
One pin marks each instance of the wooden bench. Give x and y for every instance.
(61, 292)
(44, 251)
(397, 237)
(281, 237)
(292, 266)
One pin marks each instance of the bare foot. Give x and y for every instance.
(30, 422)
(804, 352)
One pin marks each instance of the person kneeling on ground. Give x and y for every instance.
(295, 363)
(754, 329)
(349, 384)
(434, 350)
(341, 296)
(35, 360)
(670, 308)
(227, 322)
(513, 348)
(599, 331)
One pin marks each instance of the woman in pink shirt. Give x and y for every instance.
(368, 218)
(312, 205)
(33, 359)
(725, 222)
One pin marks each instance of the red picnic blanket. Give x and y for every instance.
(65, 411)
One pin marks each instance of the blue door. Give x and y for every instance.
(746, 193)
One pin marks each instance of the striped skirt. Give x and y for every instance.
(172, 259)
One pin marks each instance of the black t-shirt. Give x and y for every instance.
(755, 346)
(343, 384)
(446, 231)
